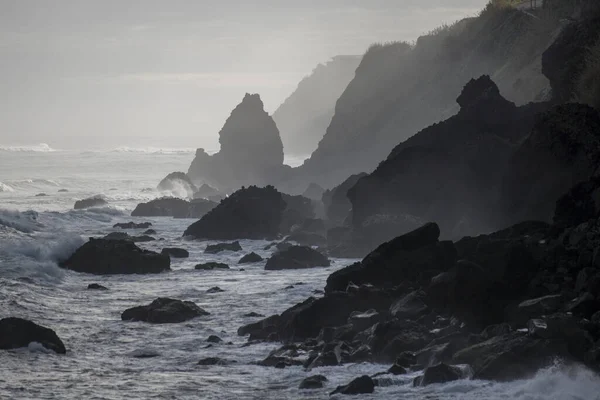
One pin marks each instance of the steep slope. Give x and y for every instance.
(304, 116)
(399, 89)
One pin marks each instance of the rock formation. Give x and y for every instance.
(164, 311)
(18, 332)
(296, 257)
(178, 183)
(251, 150)
(304, 116)
(96, 201)
(173, 207)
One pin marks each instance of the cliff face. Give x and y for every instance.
(251, 150)
(400, 89)
(304, 116)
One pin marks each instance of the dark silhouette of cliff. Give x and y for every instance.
(305, 115)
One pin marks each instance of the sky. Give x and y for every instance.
(102, 74)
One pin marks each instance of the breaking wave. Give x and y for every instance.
(39, 148)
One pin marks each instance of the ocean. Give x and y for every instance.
(111, 359)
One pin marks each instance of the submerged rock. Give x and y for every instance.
(297, 257)
(174, 252)
(90, 202)
(440, 373)
(211, 266)
(18, 332)
(214, 361)
(362, 385)
(313, 382)
(105, 257)
(164, 311)
(215, 289)
(95, 286)
(219, 247)
(250, 258)
(249, 213)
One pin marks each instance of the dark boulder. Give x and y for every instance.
(132, 225)
(18, 332)
(117, 236)
(296, 257)
(250, 258)
(313, 382)
(173, 207)
(215, 289)
(178, 182)
(361, 385)
(164, 311)
(440, 373)
(174, 252)
(105, 257)
(252, 213)
(214, 361)
(214, 339)
(219, 247)
(90, 202)
(141, 239)
(95, 286)
(580, 204)
(149, 232)
(211, 266)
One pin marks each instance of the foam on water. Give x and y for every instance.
(40, 148)
(5, 188)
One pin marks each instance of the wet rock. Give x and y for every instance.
(105, 257)
(297, 257)
(141, 239)
(533, 308)
(214, 339)
(250, 258)
(363, 320)
(249, 213)
(253, 315)
(440, 373)
(397, 369)
(174, 252)
(132, 225)
(173, 207)
(164, 311)
(90, 202)
(362, 385)
(177, 182)
(215, 289)
(313, 382)
(410, 306)
(149, 232)
(117, 236)
(214, 361)
(219, 247)
(95, 286)
(18, 332)
(211, 266)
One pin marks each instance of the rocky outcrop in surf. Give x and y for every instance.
(164, 311)
(96, 201)
(251, 150)
(18, 332)
(179, 183)
(174, 207)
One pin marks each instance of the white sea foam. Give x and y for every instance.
(5, 188)
(39, 148)
(25, 222)
(154, 150)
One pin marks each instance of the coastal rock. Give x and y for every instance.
(105, 257)
(132, 225)
(215, 289)
(173, 207)
(214, 339)
(95, 286)
(313, 382)
(440, 373)
(211, 265)
(164, 311)
(250, 258)
(213, 361)
(90, 202)
(251, 150)
(219, 247)
(177, 182)
(298, 209)
(207, 192)
(307, 239)
(174, 252)
(337, 204)
(361, 385)
(250, 213)
(296, 257)
(18, 332)
(580, 204)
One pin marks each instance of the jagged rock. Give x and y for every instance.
(174, 252)
(363, 320)
(178, 182)
(105, 257)
(313, 382)
(251, 150)
(533, 308)
(565, 59)
(250, 258)
(164, 311)
(362, 385)
(132, 225)
(440, 373)
(297, 257)
(174, 207)
(314, 192)
(252, 213)
(18, 332)
(211, 266)
(410, 306)
(415, 256)
(219, 247)
(95, 286)
(562, 150)
(90, 202)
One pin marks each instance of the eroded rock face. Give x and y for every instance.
(249, 213)
(174, 207)
(106, 257)
(90, 202)
(163, 311)
(18, 332)
(296, 257)
(251, 150)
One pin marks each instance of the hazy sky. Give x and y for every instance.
(110, 73)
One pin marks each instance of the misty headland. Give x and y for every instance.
(439, 236)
